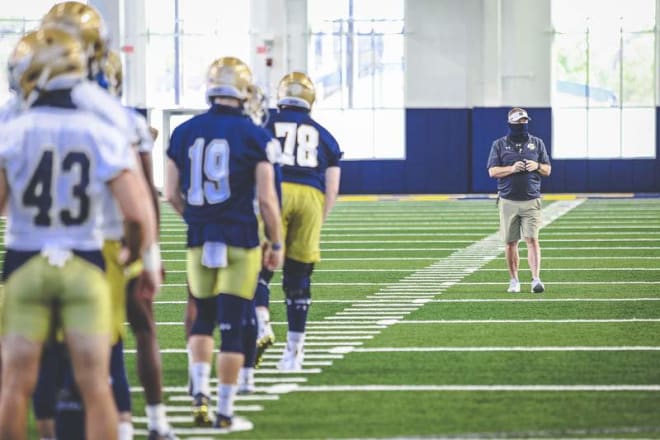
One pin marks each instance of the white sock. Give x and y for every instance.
(201, 377)
(536, 280)
(263, 319)
(226, 394)
(125, 431)
(157, 419)
(246, 375)
(295, 340)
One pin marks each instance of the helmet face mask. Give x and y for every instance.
(85, 23)
(228, 77)
(296, 89)
(256, 105)
(113, 73)
(47, 59)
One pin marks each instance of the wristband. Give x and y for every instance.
(276, 246)
(151, 258)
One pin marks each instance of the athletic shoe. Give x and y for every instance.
(232, 424)
(200, 410)
(291, 360)
(263, 343)
(514, 286)
(537, 286)
(154, 435)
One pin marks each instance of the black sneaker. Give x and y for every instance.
(154, 435)
(537, 286)
(221, 421)
(200, 410)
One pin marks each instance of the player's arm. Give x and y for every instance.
(332, 177)
(499, 172)
(4, 191)
(140, 217)
(270, 212)
(172, 187)
(148, 172)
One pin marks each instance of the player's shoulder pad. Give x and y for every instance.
(91, 97)
(146, 141)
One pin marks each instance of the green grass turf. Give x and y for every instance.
(598, 224)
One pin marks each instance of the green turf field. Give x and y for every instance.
(412, 333)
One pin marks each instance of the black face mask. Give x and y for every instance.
(518, 132)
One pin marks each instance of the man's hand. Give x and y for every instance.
(531, 165)
(518, 167)
(272, 258)
(148, 283)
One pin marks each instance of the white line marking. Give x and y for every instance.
(498, 349)
(527, 321)
(464, 388)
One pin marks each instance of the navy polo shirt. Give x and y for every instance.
(523, 185)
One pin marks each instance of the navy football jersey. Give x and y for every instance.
(216, 154)
(308, 149)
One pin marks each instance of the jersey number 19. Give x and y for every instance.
(209, 172)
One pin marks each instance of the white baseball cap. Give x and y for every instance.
(516, 114)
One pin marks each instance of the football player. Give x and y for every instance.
(55, 162)
(310, 173)
(215, 162)
(87, 24)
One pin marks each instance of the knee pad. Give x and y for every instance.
(231, 310)
(120, 388)
(207, 310)
(296, 280)
(249, 317)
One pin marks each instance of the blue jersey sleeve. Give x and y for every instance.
(334, 152)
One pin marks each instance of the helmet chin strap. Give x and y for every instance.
(38, 87)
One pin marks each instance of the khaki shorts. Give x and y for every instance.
(239, 278)
(302, 218)
(519, 219)
(36, 292)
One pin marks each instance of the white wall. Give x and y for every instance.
(478, 53)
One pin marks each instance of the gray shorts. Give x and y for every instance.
(519, 219)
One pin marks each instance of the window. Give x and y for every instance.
(17, 18)
(356, 61)
(184, 37)
(604, 93)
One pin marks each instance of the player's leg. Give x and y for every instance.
(302, 206)
(246, 374)
(265, 335)
(202, 283)
(510, 231)
(87, 322)
(531, 225)
(26, 319)
(21, 363)
(115, 273)
(44, 398)
(189, 316)
(237, 283)
(141, 319)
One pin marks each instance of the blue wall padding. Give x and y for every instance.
(447, 151)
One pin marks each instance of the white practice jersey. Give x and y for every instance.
(58, 162)
(113, 220)
(10, 109)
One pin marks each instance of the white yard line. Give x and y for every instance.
(496, 349)
(282, 389)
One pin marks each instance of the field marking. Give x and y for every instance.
(498, 349)
(288, 388)
(470, 258)
(397, 302)
(527, 321)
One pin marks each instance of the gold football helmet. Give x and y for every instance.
(84, 22)
(296, 89)
(46, 59)
(113, 72)
(228, 77)
(256, 105)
